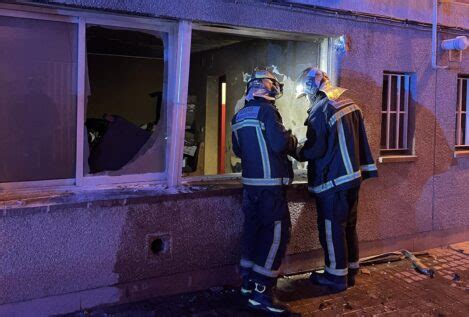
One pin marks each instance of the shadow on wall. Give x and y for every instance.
(400, 201)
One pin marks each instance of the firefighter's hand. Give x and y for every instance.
(292, 143)
(298, 156)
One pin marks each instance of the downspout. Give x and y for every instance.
(435, 36)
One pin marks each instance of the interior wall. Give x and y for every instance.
(211, 127)
(121, 85)
(289, 58)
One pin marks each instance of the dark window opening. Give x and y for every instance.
(125, 112)
(396, 114)
(219, 65)
(462, 118)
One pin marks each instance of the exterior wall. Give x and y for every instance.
(65, 248)
(98, 251)
(453, 12)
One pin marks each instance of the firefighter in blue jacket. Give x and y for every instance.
(262, 142)
(339, 158)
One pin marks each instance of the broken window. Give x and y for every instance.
(462, 118)
(395, 111)
(125, 110)
(219, 64)
(38, 69)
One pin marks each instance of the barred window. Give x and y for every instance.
(395, 113)
(462, 119)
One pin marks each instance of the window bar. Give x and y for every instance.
(398, 111)
(459, 114)
(388, 112)
(466, 133)
(406, 111)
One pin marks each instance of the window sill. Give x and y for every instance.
(397, 159)
(120, 195)
(461, 153)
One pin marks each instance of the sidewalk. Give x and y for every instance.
(390, 289)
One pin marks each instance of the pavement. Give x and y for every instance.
(387, 289)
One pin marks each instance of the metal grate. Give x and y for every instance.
(462, 119)
(395, 112)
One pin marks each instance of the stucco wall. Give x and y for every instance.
(59, 249)
(452, 13)
(94, 247)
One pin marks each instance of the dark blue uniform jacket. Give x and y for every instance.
(337, 149)
(261, 141)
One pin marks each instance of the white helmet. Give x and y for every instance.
(313, 80)
(256, 87)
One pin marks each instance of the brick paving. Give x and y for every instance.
(390, 289)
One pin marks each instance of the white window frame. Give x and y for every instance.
(463, 83)
(177, 53)
(388, 112)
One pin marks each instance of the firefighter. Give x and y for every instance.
(262, 142)
(339, 158)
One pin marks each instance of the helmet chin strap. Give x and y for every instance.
(315, 98)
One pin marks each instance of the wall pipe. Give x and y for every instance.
(435, 36)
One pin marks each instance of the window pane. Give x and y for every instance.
(393, 93)
(464, 136)
(401, 130)
(38, 106)
(383, 130)
(385, 93)
(125, 113)
(228, 58)
(392, 132)
(464, 94)
(403, 93)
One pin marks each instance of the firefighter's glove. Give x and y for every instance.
(293, 143)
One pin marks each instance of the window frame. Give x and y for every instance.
(329, 51)
(460, 134)
(177, 55)
(406, 148)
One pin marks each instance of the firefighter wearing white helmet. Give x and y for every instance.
(339, 158)
(262, 142)
(263, 84)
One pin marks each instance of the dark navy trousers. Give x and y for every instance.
(266, 232)
(337, 222)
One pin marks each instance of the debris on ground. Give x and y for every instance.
(365, 271)
(418, 265)
(460, 248)
(382, 258)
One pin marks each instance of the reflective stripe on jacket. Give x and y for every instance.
(337, 149)
(261, 141)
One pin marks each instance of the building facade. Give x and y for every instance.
(117, 181)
